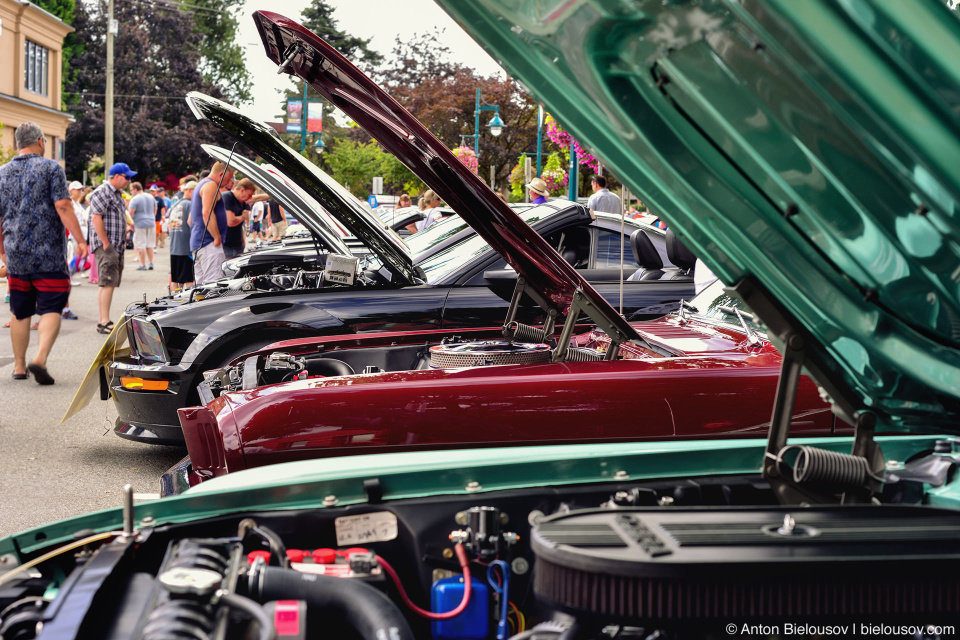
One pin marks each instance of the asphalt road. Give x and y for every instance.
(48, 470)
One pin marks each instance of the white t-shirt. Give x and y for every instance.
(429, 217)
(81, 217)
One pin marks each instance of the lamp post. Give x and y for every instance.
(495, 125)
(539, 137)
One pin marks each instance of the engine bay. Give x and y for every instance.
(458, 349)
(672, 558)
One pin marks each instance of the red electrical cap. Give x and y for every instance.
(352, 550)
(296, 555)
(324, 556)
(253, 555)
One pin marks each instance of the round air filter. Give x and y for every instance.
(487, 352)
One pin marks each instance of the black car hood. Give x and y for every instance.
(339, 202)
(303, 54)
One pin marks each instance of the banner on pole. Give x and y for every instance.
(294, 116)
(314, 117)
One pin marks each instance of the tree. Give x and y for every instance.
(222, 60)
(441, 94)
(353, 164)
(156, 63)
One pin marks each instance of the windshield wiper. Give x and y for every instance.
(752, 338)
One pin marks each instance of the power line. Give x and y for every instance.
(125, 95)
(167, 4)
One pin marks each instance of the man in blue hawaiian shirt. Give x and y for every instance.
(35, 208)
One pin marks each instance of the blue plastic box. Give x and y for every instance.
(473, 623)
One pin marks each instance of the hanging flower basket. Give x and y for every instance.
(467, 157)
(561, 138)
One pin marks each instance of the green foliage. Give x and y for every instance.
(397, 178)
(516, 181)
(157, 61)
(6, 155)
(553, 163)
(221, 56)
(354, 164)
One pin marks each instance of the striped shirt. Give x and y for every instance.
(106, 201)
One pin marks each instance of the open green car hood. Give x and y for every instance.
(807, 150)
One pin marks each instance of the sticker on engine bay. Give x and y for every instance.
(340, 269)
(380, 526)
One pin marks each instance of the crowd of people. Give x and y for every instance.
(52, 232)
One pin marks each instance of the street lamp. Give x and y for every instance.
(495, 125)
(318, 146)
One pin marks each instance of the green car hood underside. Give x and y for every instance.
(808, 148)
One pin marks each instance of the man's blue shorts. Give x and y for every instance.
(38, 293)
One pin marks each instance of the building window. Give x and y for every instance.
(61, 148)
(35, 74)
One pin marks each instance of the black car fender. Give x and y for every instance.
(256, 323)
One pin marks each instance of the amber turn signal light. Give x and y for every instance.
(144, 385)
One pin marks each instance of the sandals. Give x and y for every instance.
(20, 376)
(105, 328)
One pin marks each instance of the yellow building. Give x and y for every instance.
(31, 67)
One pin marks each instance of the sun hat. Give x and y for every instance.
(74, 185)
(539, 187)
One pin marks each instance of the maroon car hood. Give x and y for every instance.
(340, 82)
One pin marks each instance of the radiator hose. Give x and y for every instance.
(367, 610)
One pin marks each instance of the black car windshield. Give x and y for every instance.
(453, 259)
(424, 241)
(707, 304)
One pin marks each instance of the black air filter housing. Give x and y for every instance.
(697, 564)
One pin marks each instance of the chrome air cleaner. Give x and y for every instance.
(487, 352)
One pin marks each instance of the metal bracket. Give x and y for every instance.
(795, 358)
(580, 305)
(295, 49)
(518, 292)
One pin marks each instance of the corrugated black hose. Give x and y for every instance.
(369, 611)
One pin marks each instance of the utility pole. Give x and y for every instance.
(112, 28)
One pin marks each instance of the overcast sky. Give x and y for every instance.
(381, 20)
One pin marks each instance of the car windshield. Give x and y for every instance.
(454, 258)
(424, 241)
(711, 302)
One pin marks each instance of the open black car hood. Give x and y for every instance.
(339, 202)
(303, 54)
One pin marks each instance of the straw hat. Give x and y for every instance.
(539, 187)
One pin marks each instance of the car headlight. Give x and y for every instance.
(147, 339)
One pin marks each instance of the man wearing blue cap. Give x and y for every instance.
(108, 225)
